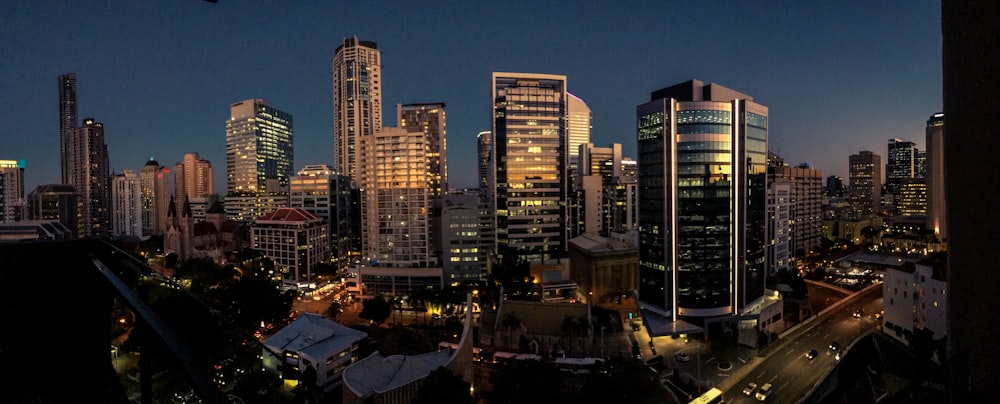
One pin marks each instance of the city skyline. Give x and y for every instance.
(834, 95)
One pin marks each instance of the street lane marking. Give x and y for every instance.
(789, 352)
(782, 386)
(761, 375)
(772, 379)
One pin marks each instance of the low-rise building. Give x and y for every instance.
(915, 299)
(316, 343)
(295, 239)
(603, 266)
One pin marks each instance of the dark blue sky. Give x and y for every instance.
(838, 77)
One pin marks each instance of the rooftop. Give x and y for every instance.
(314, 335)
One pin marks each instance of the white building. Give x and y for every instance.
(915, 297)
(294, 238)
(779, 211)
(312, 342)
(126, 204)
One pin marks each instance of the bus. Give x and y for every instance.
(476, 352)
(712, 396)
(578, 365)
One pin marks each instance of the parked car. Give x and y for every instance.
(682, 357)
(764, 392)
(812, 354)
(750, 389)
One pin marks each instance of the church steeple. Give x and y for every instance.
(172, 208)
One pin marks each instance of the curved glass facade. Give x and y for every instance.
(702, 201)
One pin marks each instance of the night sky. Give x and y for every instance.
(838, 77)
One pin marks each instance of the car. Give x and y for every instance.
(860, 313)
(682, 357)
(834, 346)
(750, 389)
(812, 354)
(764, 392)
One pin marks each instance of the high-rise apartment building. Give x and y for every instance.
(11, 190)
(807, 205)
(834, 186)
(911, 200)
(865, 175)
(258, 149)
(126, 204)
(323, 192)
(935, 176)
(606, 183)
(193, 175)
(89, 172)
(155, 197)
(530, 148)
(702, 202)
(430, 120)
(780, 210)
(357, 102)
(396, 199)
(68, 118)
(55, 202)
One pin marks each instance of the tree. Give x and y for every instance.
(375, 309)
(443, 386)
(576, 328)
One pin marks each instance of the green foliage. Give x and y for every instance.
(525, 382)
(248, 300)
(514, 274)
(443, 386)
(375, 309)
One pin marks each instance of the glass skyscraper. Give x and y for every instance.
(258, 148)
(702, 201)
(530, 142)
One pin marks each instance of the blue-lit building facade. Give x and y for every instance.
(702, 169)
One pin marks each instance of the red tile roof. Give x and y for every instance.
(289, 215)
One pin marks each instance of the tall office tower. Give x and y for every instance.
(68, 118)
(935, 176)
(55, 202)
(357, 102)
(834, 186)
(155, 197)
(323, 192)
(900, 164)
(807, 205)
(484, 142)
(258, 148)
(193, 175)
(89, 173)
(530, 141)
(126, 204)
(970, 62)
(578, 128)
(461, 258)
(11, 191)
(920, 163)
(780, 208)
(395, 199)
(430, 120)
(609, 189)
(865, 176)
(702, 202)
(912, 197)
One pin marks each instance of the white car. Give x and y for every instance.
(750, 389)
(764, 392)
